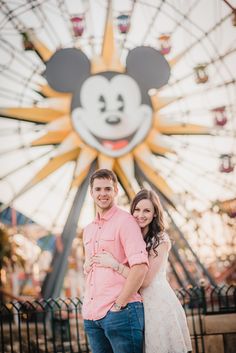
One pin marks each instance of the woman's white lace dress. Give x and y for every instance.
(166, 328)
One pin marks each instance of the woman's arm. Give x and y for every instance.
(156, 262)
(106, 259)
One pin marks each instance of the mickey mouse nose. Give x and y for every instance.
(113, 120)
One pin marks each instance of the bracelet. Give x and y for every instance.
(116, 267)
(120, 268)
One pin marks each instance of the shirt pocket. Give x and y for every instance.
(107, 242)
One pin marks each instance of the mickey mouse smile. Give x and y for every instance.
(115, 144)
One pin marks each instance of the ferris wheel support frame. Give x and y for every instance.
(53, 281)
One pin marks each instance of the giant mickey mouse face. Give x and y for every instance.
(110, 111)
(112, 117)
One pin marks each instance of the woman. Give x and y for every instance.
(166, 328)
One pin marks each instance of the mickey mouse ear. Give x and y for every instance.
(148, 67)
(66, 69)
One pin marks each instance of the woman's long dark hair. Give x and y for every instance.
(156, 227)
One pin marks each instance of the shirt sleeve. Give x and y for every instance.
(133, 243)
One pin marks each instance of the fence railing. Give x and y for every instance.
(201, 302)
(208, 299)
(42, 326)
(57, 325)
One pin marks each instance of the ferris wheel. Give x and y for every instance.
(172, 68)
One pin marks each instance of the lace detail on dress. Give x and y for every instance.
(164, 238)
(166, 329)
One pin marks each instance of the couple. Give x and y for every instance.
(124, 253)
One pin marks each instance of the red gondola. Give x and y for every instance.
(220, 117)
(78, 24)
(201, 75)
(123, 22)
(226, 165)
(165, 46)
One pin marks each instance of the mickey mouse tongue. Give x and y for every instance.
(115, 145)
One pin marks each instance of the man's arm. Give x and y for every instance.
(135, 250)
(132, 283)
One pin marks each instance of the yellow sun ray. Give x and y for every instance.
(105, 161)
(179, 128)
(109, 60)
(34, 114)
(125, 182)
(58, 103)
(143, 157)
(63, 123)
(156, 145)
(40, 47)
(86, 157)
(51, 138)
(159, 103)
(68, 151)
(126, 164)
(50, 167)
(184, 129)
(47, 91)
(71, 142)
(54, 164)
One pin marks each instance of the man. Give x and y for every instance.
(112, 308)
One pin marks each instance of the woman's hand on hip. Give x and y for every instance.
(105, 259)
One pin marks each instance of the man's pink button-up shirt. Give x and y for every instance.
(117, 232)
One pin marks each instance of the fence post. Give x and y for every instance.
(202, 284)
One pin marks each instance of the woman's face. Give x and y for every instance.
(144, 213)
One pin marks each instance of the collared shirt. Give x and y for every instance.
(118, 233)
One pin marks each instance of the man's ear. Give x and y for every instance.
(116, 189)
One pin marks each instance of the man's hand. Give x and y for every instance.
(88, 264)
(116, 307)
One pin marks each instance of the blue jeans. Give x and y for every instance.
(117, 332)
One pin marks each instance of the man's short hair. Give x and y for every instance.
(103, 174)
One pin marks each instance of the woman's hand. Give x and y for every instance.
(105, 259)
(87, 265)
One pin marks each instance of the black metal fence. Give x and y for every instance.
(201, 302)
(42, 326)
(57, 326)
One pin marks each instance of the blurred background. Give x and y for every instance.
(190, 161)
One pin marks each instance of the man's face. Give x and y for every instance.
(103, 193)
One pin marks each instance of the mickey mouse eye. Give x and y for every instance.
(102, 104)
(121, 103)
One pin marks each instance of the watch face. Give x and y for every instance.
(117, 306)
